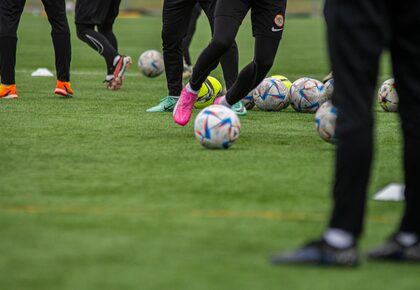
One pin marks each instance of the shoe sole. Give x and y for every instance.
(120, 70)
(10, 97)
(63, 93)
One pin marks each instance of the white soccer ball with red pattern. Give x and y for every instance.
(151, 63)
(217, 127)
(306, 95)
(388, 97)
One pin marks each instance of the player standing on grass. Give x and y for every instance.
(176, 18)
(358, 32)
(10, 13)
(102, 14)
(268, 18)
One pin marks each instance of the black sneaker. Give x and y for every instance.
(392, 250)
(319, 253)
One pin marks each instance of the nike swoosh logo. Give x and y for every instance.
(276, 29)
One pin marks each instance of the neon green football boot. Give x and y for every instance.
(167, 104)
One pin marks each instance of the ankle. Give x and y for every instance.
(339, 238)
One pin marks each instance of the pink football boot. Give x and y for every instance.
(184, 106)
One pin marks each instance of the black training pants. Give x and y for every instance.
(267, 23)
(176, 18)
(10, 13)
(186, 42)
(99, 14)
(358, 31)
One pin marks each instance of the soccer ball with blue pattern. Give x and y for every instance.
(217, 127)
(388, 97)
(325, 121)
(271, 95)
(151, 64)
(328, 90)
(306, 95)
(248, 101)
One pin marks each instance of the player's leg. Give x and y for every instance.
(96, 13)
(106, 30)
(186, 42)
(176, 15)
(405, 50)
(98, 42)
(230, 59)
(356, 37)
(10, 12)
(121, 63)
(254, 72)
(60, 34)
(106, 27)
(229, 16)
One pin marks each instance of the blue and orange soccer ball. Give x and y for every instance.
(217, 127)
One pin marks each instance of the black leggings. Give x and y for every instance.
(103, 41)
(225, 31)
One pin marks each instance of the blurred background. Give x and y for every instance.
(303, 8)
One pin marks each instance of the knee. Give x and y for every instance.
(81, 31)
(222, 44)
(105, 28)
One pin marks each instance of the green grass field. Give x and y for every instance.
(97, 194)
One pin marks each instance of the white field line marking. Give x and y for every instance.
(135, 74)
(82, 73)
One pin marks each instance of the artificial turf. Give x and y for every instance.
(95, 193)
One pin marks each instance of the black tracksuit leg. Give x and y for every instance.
(100, 14)
(10, 13)
(186, 42)
(355, 49)
(267, 23)
(176, 17)
(405, 51)
(60, 34)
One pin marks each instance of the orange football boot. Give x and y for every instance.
(8, 92)
(63, 89)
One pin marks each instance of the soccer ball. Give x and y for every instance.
(248, 101)
(210, 90)
(271, 95)
(217, 127)
(388, 97)
(151, 63)
(284, 80)
(325, 120)
(328, 90)
(305, 95)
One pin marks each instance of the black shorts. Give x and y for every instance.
(97, 12)
(268, 16)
